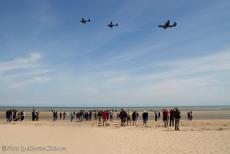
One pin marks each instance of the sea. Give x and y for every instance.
(199, 112)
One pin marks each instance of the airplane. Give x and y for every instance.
(111, 25)
(167, 25)
(84, 21)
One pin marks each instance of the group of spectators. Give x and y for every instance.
(81, 115)
(14, 115)
(170, 117)
(104, 116)
(61, 115)
(35, 115)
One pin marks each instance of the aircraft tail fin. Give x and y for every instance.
(88, 20)
(116, 24)
(174, 24)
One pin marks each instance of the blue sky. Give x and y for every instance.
(48, 58)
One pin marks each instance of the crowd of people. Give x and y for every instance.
(35, 115)
(14, 115)
(62, 116)
(170, 117)
(127, 117)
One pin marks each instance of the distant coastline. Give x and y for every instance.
(138, 108)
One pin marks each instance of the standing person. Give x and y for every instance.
(37, 115)
(118, 115)
(33, 115)
(104, 117)
(14, 115)
(71, 116)
(95, 115)
(107, 112)
(64, 114)
(54, 115)
(168, 116)
(134, 118)
(155, 115)
(111, 115)
(171, 123)
(23, 115)
(99, 117)
(177, 118)
(8, 115)
(189, 115)
(145, 118)
(60, 115)
(123, 117)
(90, 115)
(129, 115)
(159, 115)
(165, 117)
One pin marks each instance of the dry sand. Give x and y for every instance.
(194, 137)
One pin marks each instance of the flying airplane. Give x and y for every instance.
(84, 21)
(111, 25)
(167, 25)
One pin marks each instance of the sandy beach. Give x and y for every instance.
(114, 77)
(46, 136)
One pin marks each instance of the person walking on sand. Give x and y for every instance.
(177, 118)
(145, 118)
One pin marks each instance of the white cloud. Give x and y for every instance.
(202, 80)
(34, 80)
(23, 71)
(19, 63)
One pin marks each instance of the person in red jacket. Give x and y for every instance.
(165, 117)
(104, 117)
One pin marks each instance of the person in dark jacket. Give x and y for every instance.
(123, 117)
(99, 114)
(145, 118)
(156, 115)
(171, 118)
(177, 117)
(134, 117)
(165, 117)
